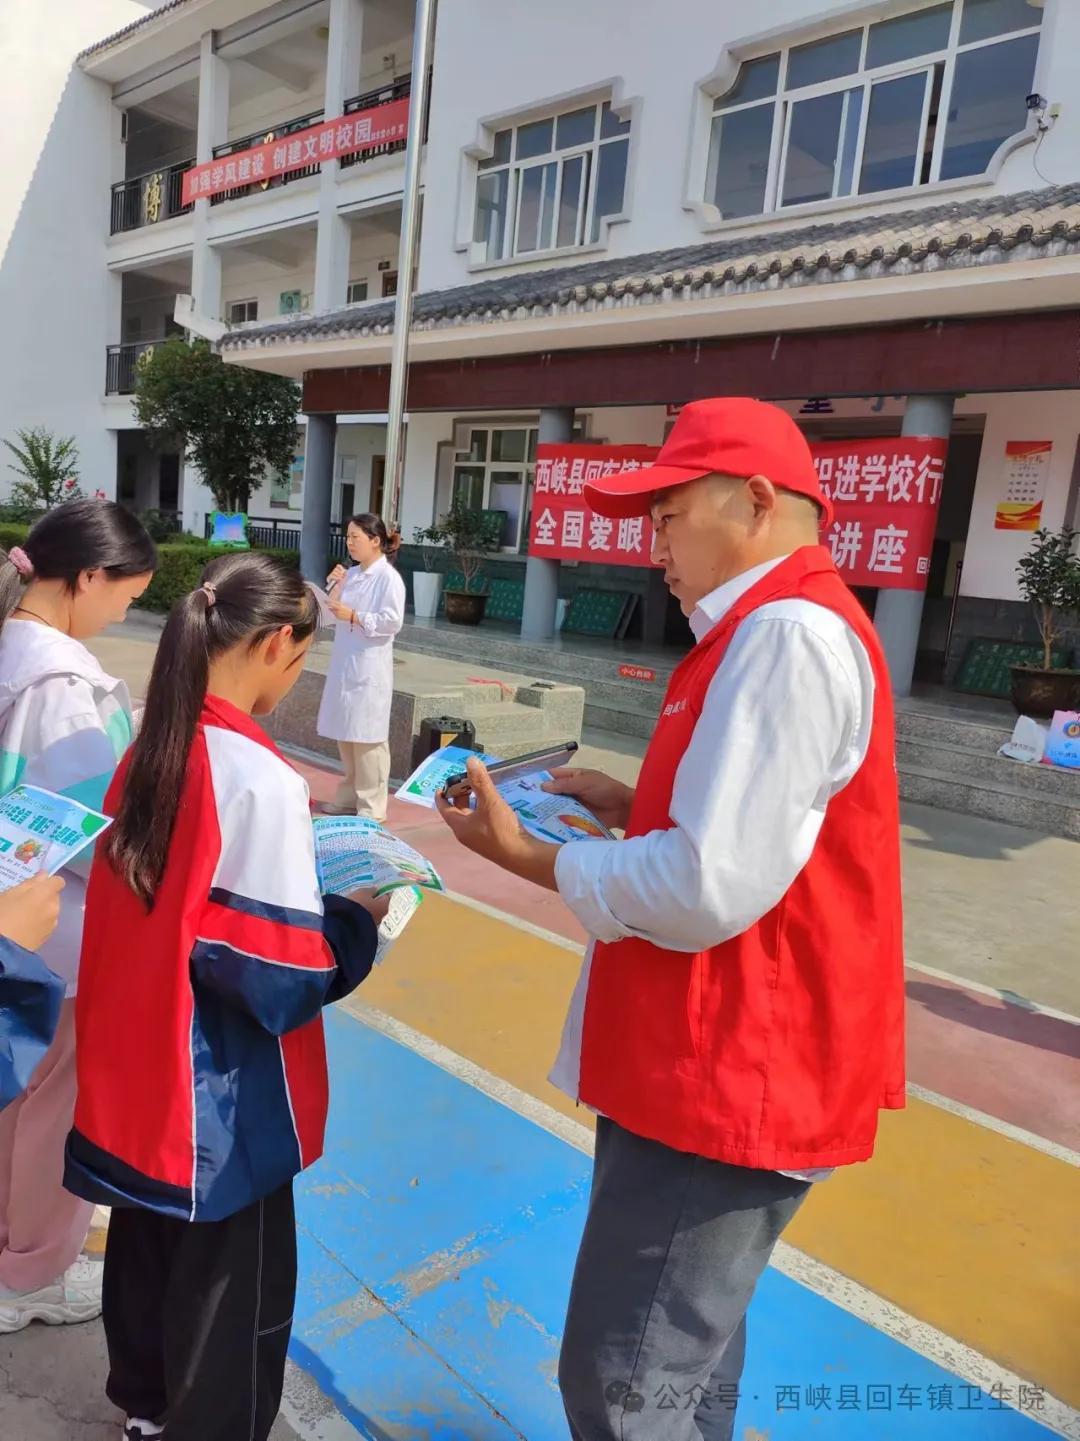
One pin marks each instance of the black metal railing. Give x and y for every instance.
(121, 362)
(270, 533)
(150, 198)
(264, 137)
(399, 89)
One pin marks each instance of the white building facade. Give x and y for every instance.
(837, 206)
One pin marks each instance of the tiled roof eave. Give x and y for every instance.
(1008, 229)
(310, 329)
(127, 30)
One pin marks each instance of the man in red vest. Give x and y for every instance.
(739, 1020)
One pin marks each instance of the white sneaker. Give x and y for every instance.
(136, 1429)
(75, 1297)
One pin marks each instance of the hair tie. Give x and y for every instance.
(21, 561)
(209, 589)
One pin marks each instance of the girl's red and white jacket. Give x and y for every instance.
(201, 1061)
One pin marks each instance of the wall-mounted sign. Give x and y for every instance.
(347, 135)
(1027, 464)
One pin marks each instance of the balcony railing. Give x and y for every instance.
(394, 90)
(147, 199)
(263, 137)
(121, 362)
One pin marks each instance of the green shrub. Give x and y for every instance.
(180, 566)
(13, 513)
(13, 534)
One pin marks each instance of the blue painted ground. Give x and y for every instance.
(437, 1242)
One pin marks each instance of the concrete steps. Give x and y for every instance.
(963, 765)
(613, 703)
(951, 762)
(946, 751)
(993, 800)
(620, 720)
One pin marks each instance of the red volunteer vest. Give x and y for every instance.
(775, 1049)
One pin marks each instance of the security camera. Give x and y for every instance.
(1036, 102)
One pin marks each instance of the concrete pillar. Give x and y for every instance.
(334, 235)
(542, 575)
(205, 273)
(212, 129)
(213, 121)
(898, 613)
(318, 494)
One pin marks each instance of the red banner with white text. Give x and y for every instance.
(885, 493)
(349, 135)
(563, 526)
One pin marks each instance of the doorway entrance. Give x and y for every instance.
(378, 484)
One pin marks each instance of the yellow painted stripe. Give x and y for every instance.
(963, 1228)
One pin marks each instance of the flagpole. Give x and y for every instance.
(423, 40)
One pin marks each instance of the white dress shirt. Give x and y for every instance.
(784, 726)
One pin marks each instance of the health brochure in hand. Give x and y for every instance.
(550, 818)
(356, 854)
(431, 774)
(41, 831)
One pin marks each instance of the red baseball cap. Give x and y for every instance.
(732, 436)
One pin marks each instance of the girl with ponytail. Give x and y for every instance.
(208, 956)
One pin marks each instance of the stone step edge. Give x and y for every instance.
(422, 643)
(975, 783)
(1004, 762)
(946, 716)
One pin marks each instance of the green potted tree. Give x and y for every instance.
(1049, 577)
(470, 534)
(427, 583)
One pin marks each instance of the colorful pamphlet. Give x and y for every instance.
(353, 853)
(431, 774)
(356, 854)
(551, 818)
(42, 831)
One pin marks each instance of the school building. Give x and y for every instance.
(867, 212)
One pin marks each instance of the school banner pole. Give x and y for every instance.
(423, 41)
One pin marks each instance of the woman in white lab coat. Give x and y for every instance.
(368, 602)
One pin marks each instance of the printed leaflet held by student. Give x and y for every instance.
(353, 853)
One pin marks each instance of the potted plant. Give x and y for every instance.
(1050, 579)
(428, 583)
(470, 534)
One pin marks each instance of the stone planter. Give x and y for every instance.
(1042, 692)
(427, 588)
(464, 608)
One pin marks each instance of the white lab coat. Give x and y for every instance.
(360, 682)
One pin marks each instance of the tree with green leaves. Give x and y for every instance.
(234, 423)
(1049, 576)
(49, 467)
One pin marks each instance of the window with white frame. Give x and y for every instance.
(357, 292)
(550, 184)
(496, 472)
(242, 311)
(927, 94)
